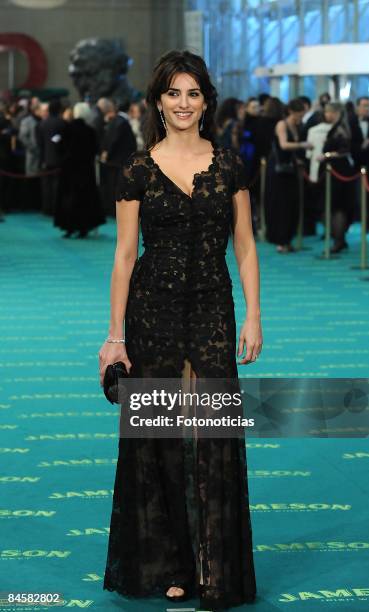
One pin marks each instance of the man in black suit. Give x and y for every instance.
(118, 143)
(49, 137)
(362, 112)
(98, 113)
(317, 116)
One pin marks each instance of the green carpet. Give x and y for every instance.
(58, 434)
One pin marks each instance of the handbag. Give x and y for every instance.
(114, 374)
(281, 166)
(288, 168)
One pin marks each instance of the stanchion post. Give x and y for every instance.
(363, 249)
(328, 206)
(363, 216)
(97, 170)
(300, 226)
(262, 230)
(327, 255)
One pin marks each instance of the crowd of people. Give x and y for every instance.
(72, 156)
(296, 139)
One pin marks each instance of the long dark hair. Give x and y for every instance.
(274, 109)
(227, 110)
(166, 67)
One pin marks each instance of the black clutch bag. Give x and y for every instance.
(114, 374)
(288, 168)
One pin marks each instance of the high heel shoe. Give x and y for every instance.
(282, 248)
(337, 248)
(175, 598)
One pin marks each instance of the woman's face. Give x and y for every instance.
(297, 116)
(183, 103)
(253, 108)
(241, 111)
(331, 116)
(68, 114)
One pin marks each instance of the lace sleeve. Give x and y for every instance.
(239, 174)
(129, 183)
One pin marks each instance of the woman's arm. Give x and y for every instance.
(124, 260)
(248, 266)
(125, 256)
(281, 132)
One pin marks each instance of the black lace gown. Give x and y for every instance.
(181, 508)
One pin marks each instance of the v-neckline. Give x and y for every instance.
(197, 174)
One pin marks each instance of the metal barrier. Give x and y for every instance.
(362, 175)
(263, 168)
(363, 265)
(301, 202)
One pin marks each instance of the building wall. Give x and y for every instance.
(148, 28)
(241, 35)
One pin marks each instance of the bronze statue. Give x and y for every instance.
(99, 68)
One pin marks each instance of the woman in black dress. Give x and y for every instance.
(78, 206)
(283, 205)
(226, 120)
(180, 523)
(339, 152)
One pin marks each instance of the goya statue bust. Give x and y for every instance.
(99, 68)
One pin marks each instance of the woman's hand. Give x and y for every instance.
(109, 354)
(251, 335)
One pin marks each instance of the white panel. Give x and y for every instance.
(39, 4)
(334, 59)
(277, 70)
(193, 32)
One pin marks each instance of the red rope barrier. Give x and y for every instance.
(345, 179)
(29, 176)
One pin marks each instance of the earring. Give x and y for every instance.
(162, 119)
(202, 121)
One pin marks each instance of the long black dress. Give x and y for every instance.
(78, 205)
(343, 196)
(181, 508)
(282, 209)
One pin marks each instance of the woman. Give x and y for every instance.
(78, 207)
(176, 303)
(227, 123)
(273, 111)
(246, 136)
(284, 188)
(338, 149)
(246, 131)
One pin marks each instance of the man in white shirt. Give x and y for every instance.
(316, 136)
